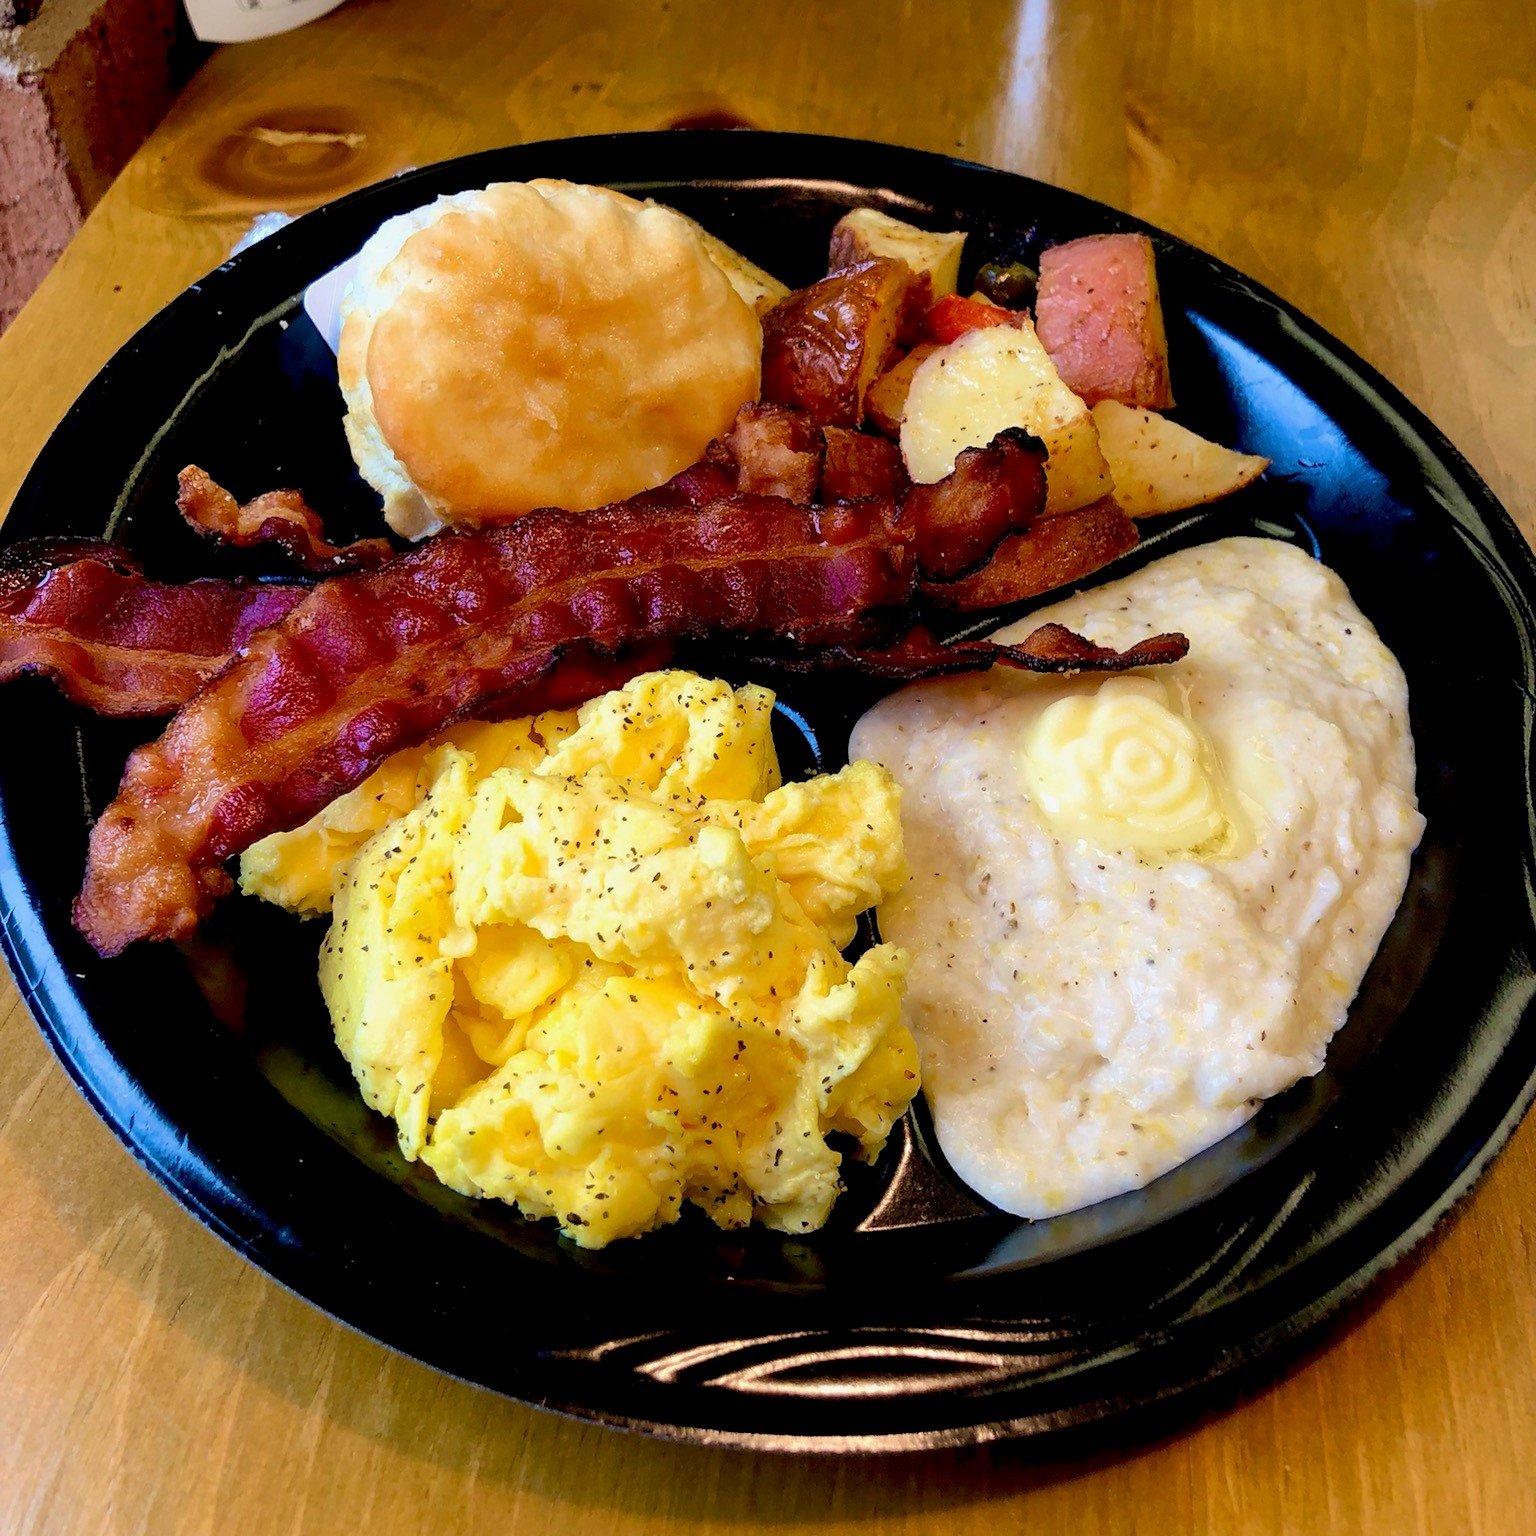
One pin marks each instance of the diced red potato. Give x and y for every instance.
(944, 322)
(827, 352)
(1099, 316)
(933, 257)
(962, 395)
(825, 345)
(1159, 466)
(857, 464)
(887, 398)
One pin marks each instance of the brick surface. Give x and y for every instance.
(81, 84)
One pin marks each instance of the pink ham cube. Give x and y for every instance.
(1099, 316)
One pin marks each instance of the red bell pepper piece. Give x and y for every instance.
(951, 317)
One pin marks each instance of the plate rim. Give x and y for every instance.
(33, 960)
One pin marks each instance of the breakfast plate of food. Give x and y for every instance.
(900, 804)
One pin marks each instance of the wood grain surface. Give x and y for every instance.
(1372, 160)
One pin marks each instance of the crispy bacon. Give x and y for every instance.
(960, 515)
(1063, 547)
(696, 486)
(82, 613)
(554, 604)
(283, 518)
(918, 654)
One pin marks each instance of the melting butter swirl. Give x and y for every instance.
(1122, 768)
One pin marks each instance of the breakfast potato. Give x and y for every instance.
(886, 401)
(964, 394)
(825, 345)
(1160, 466)
(1055, 551)
(1100, 317)
(934, 258)
(760, 289)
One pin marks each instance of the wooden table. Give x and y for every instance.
(1374, 162)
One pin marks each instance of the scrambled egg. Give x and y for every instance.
(589, 961)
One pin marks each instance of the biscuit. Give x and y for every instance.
(536, 344)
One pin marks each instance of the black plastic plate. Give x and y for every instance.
(920, 1317)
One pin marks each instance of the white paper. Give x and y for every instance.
(322, 301)
(262, 225)
(238, 21)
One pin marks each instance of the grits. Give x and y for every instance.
(1140, 906)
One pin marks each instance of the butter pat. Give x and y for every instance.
(1119, 766)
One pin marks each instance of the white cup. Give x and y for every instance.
(238, 21)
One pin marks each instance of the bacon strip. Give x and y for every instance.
(1050, 648)
(81, 613)
(283, 518)
(506, 619)
(960, 516)
(124, 646)
(1055, 550)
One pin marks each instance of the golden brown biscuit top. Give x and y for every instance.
(544, 344)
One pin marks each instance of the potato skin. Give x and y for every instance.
(863, 234)
(887, 397)
(825, 345)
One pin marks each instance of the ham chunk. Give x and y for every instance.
(1099, 316)
(858, 464)
(777, 451)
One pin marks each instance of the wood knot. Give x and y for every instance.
(289, 155)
